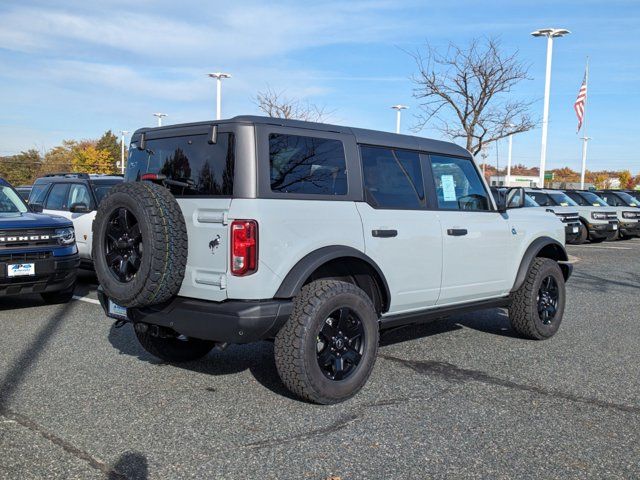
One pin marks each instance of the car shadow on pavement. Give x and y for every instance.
(256, 357)
(493, 321)
(129, 466)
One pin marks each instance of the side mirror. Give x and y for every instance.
(79, 208)
(36, 207)
(511, 198)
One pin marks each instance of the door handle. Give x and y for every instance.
(384, 233)
(457, 232)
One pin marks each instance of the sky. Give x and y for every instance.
(74, 69)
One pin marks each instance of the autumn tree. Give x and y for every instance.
(89, 159)
(467, 93)
(110, 143)
(21, 168)
(625, 178)
(278, 105)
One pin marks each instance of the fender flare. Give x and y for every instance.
(533, 251)
(301, 271)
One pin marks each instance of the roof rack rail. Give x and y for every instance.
(68, 174)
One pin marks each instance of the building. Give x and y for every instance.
(513, 181)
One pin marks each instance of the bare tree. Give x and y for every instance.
(466, 91)
(276, 104)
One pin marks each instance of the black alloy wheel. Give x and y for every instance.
(548, 296)
(340, 344)
(123, 245)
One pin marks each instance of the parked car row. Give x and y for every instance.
(588, 215)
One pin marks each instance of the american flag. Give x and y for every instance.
(580, 101)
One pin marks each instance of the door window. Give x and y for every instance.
(307, 165)
(57, 199)
(79, 193)
(392, 178)
(458, 184)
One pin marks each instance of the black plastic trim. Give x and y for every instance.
(427, 315)
(532, 252)
(231, 321)
(293, 282)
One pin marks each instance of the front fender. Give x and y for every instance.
(542, 247)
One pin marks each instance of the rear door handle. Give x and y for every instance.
(457, 232)
(384, 233)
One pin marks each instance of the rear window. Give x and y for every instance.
(191, 165)
(307, 165)
(101, 190)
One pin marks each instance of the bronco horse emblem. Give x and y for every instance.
(214, 244)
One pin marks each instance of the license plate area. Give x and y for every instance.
(21, 269)
(116, 311)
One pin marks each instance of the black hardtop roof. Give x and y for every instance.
(77, 178)
(362, 135)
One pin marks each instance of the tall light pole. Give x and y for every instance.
(123, 133)
(550, 33)
(508, 179)
(219, 76)
(398, 108)
(159, 116)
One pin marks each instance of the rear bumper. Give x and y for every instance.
(51, 274)
(231, 321)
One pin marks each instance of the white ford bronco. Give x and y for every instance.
(317, 236)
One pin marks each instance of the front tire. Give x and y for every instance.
(327, 349)
(173, 349)
(538, 305)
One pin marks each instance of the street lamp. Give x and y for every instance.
(123, 133)
(550, 33)
(398, 108)
(218, 76)
(159, 116)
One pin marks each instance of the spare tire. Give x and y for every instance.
(139, 244)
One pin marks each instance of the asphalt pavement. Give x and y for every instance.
(461, 397)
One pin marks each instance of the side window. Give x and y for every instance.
(57, 199)
(307, 165)
(38, 193)
(458, 184)
(612, 200)
(392, 178)
(79, 193)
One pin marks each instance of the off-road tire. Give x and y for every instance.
(597, 240)
(61, 296)
(164, 241)
(523, 312)
(174, 349)
(295, 345)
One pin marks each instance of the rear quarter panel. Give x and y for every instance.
(288, 230)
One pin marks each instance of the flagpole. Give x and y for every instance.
(585, 138)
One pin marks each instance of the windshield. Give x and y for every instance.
(562, 199)
(628, 199)
(10, 202)
(530, 202)
(592, 199)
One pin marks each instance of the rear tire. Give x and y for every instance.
(327, 349)
(139, 244)
(533, 313)
(174, 349)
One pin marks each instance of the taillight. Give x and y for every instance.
(244, 247)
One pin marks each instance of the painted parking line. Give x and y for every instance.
(600, 247)
(86, 299)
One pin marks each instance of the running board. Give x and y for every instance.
(424, 316)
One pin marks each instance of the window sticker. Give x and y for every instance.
(448, 188)
(564, 204)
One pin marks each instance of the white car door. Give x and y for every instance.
(400, 234)
(56, 201)
(478, 244)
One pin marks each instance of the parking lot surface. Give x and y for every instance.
(459, 397)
